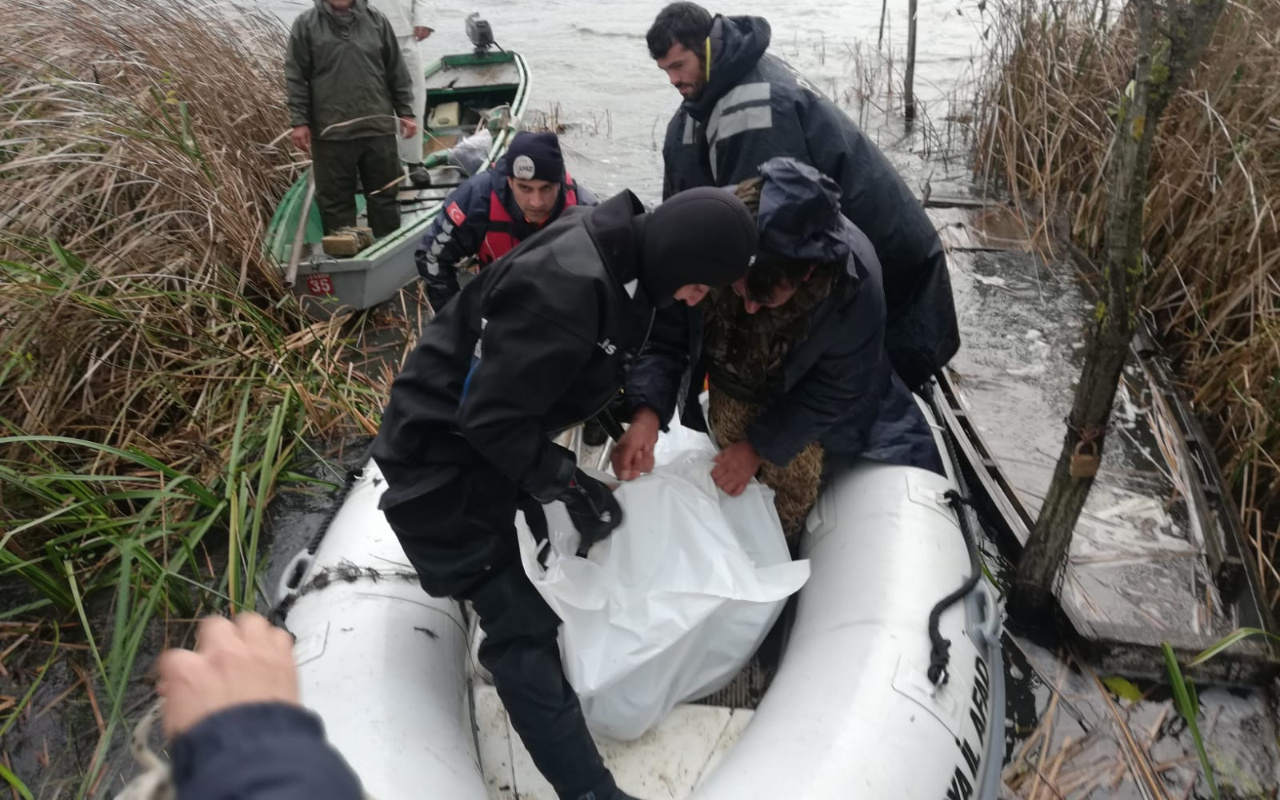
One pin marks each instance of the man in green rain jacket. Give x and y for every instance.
(347, 84)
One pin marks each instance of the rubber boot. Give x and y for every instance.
(593, 433)
(522, 653)
(419, 177)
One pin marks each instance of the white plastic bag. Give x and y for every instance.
(470, 153)
(672, 606)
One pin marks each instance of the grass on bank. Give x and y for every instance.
(156, 381)
(1045, 117)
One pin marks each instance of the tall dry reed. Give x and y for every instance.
(1045, 124)
(156, 381)
(141, 157)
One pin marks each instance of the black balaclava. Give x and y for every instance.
(704, 235)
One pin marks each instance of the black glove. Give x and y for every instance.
(592, 508)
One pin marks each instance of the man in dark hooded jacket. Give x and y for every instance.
(743, 106)
(796, 358)
(492, 212)
(533, 346)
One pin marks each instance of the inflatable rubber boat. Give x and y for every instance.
(852, 711)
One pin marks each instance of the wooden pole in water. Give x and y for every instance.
(908, 90)
(884, 11)
(1162, 66)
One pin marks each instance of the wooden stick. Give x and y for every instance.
(1139, 761)
(93, 700)
(884, 10)
(9, 650)
(1052, 780)
(1047, 722)
(295, 252)
(1086, 776)
(9, 766)
(908, 90)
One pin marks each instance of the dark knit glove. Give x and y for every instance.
(592, 508)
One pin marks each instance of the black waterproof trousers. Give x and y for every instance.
(375, 162)
(461, 539)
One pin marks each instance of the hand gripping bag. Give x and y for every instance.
(672, 606)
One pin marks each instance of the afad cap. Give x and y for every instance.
(535, 157)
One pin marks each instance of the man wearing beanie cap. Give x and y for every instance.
(486, 217)
(535, 345)
(535, 157)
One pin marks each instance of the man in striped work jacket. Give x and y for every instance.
(743, 106)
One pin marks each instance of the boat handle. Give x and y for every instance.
(291, 578)
(989, 609)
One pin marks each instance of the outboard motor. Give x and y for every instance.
(479, 32)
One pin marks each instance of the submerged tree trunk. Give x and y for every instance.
(1161, 67)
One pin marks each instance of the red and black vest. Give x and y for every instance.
(499, 238)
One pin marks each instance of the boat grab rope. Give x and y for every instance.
(345, 572)
(940, 656)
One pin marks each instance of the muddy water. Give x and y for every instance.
(588, 60)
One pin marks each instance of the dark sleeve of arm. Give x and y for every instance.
(398, 81)
(668, 187)
(840, 386)
(525, 362)
(654, 380)
(586, 197)
(671, 161)
(297, 77)
(873, 194)
(260, 751)
(446, 244)
(839, 152)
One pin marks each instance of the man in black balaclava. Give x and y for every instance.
(533, 346)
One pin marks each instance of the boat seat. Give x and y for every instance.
(668, 761)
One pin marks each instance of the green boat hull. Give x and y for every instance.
(490, 89)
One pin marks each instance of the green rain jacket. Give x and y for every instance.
(346, 68)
